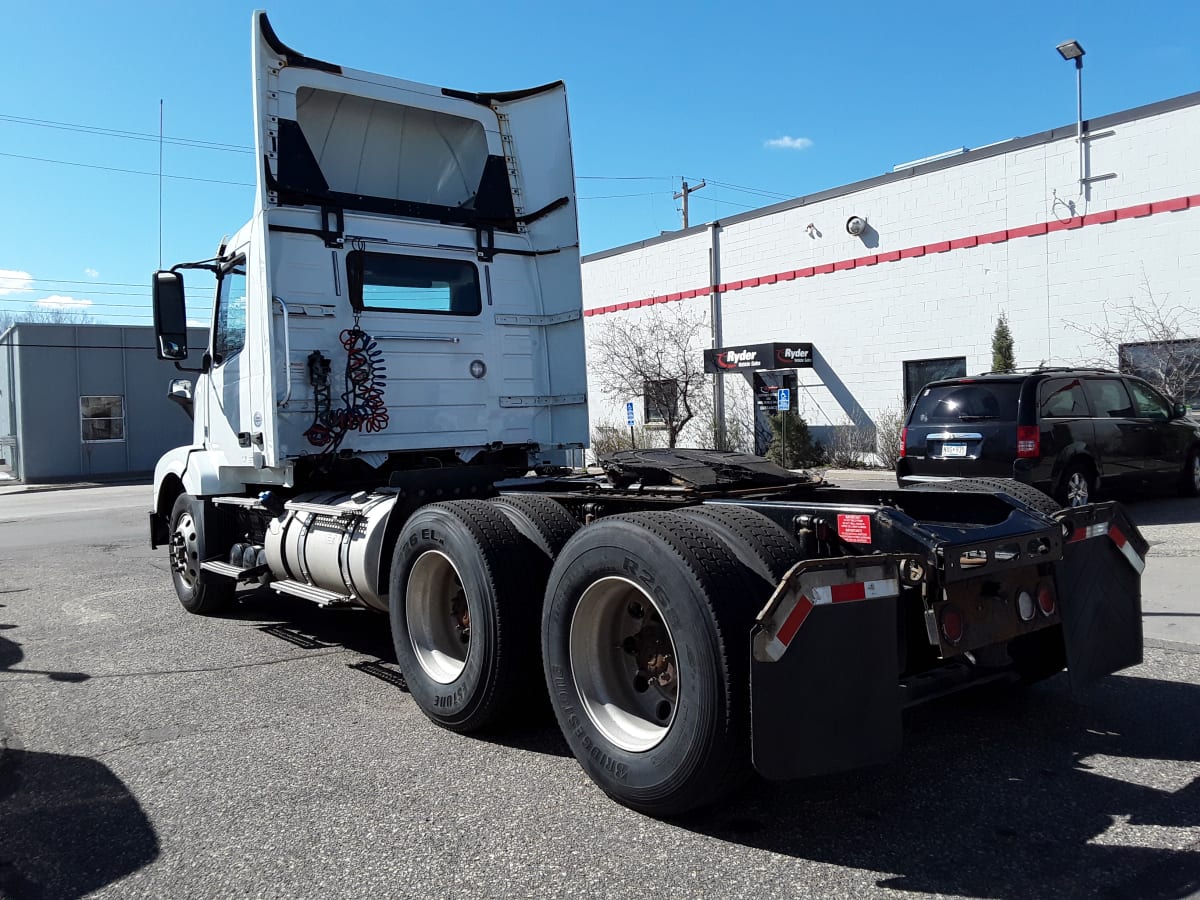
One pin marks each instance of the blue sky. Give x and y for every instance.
(658, 91)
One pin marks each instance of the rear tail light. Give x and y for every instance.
(1045, 600)
(904, 442)
(953, 625)
(1028, 440)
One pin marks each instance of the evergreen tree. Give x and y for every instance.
(801, 450)
(1002, 346)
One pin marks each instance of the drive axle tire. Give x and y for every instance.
(646, 646)
(754, 539)
(543, 520)
(463, 622)
(196, 535)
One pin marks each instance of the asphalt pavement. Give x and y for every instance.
(272, 752)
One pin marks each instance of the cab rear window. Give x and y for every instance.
(952, 403)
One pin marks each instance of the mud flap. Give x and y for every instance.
(1100, 591)
(824, 670)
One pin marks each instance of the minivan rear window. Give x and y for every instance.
(976, 402)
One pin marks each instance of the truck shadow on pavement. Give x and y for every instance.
(1032, 794)
(68, 825)
(307, 626)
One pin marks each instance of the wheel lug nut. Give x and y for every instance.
(636, 610)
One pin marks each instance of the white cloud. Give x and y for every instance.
(91, 273)
(14, 282)
(59, 301)
(787, 142)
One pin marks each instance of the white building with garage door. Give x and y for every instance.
(900, 278)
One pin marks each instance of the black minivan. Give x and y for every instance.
(1066, 431)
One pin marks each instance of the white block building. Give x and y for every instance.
(951, 243)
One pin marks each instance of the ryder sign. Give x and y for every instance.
(759, 356)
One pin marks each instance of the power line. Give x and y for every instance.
(128, 135)
(4, 278)
(52, 289)
(63, 162)
(624, 178)
(615, 196)
(43, 305)
(749, 190)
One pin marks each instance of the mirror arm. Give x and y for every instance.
(205, 365)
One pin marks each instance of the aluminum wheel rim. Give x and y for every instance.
(185, 550)
(614, 629)
(1077, 489)
(435, 609)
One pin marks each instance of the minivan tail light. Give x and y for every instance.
(1028, 439)
(904, 442)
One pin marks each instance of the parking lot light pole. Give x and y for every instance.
(1074, 50)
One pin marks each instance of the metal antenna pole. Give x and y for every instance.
(160, 179)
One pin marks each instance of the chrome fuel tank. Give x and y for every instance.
(332, 539)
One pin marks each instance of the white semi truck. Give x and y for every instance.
(397, 346)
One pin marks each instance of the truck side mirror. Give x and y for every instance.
(180, 391)
(1179, 410)
(170, 316)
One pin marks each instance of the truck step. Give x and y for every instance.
(235, 572)
(324, 509)
(317, 595)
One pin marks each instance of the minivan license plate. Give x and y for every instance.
(954, 449)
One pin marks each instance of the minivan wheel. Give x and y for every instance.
(1189, 479)
(1076, 487)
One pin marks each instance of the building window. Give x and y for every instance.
(102, 419)
(1171, 366)
(661, 400)
(919, 372)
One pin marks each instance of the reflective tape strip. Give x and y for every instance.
(824, 595)
(1118, 538)
(1091, 531)
(856, 590)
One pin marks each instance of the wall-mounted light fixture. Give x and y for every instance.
(1074, 50)
(856, 225)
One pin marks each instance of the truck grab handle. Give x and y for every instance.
(287, 352)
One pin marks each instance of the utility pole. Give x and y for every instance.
(684, 194)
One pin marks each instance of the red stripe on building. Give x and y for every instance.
(994, 237)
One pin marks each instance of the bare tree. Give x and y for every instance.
(658, 356)
(45, 315)
(1150, 337)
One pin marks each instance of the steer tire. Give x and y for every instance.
(755, 540)
(196, 534)
(542, 520)
(1030, 496)
(463, 622)
(661, 749)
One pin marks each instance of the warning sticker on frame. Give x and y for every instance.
(854, 529)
